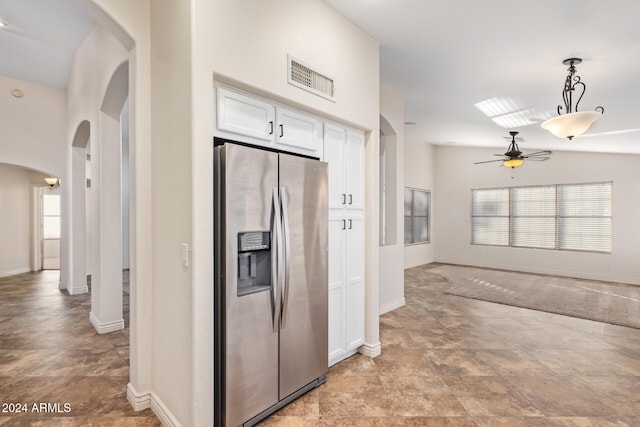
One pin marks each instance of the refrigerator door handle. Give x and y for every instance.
(276, 260)
(287, 253)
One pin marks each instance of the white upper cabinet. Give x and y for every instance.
(245, 115)
(258, 121)
(334, 154)
(354, 170)
(344, 151)
(298, 132)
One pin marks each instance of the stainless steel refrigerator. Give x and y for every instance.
(270, 343)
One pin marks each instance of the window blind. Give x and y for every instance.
(584, 217)
(575, 217)
(533, 217)
(416, 216)
(490, 217)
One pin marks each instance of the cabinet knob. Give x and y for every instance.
(271, 127)
(350, 199)
(350, 224)
(344, 224)
(344, 199)
(281, 131)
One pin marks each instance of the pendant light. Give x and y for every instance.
(572, 122)
(52, 182)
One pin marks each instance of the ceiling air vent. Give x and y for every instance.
(308, 79)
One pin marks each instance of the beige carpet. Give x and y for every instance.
(614, 303)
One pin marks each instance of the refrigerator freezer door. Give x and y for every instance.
(251, 345)
(303, 333)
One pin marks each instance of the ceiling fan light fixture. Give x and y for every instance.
(513, 163)
(572, 123)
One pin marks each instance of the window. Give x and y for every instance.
(490, 217)
(533, 217)
(584, 216)
(50, 231)
(573, 217)
(417, 207)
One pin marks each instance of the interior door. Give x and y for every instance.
(303, 333)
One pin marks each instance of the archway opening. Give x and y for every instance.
(388, 184)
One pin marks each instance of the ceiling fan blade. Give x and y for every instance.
(537, 159)
(539, 153)
(489, 161)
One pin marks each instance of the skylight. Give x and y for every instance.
(511, 113)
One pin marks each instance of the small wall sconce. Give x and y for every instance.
(52, 182)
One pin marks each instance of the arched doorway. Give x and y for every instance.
(79, 232)
(110, 183)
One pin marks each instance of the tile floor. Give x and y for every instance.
(452, 361)
(50, 354)
(446, 361)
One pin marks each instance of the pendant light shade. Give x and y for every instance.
(572, 123)
(513, 163)
(52, 182)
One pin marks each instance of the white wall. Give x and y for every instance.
(32, 135)
(15, 220)
(419, 172)
(33, 128)
(172, 205)
(392, 253)
(192, 42)
(264, 33)
(456, 175)
(245, 44)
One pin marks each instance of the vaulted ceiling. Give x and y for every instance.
(38, 39)
(469, 70)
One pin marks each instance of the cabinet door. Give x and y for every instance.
(298, 132)
(336, 287)
(245, 115)
(354, 282)
(335, 138)
(354, 170)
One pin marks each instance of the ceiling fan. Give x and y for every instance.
(514, 158)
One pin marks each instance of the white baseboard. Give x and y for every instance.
(78, 290)
(371, 350)
(140, 401)
(392, 306)
(14, 272)
(104, 328)
(164, 415)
